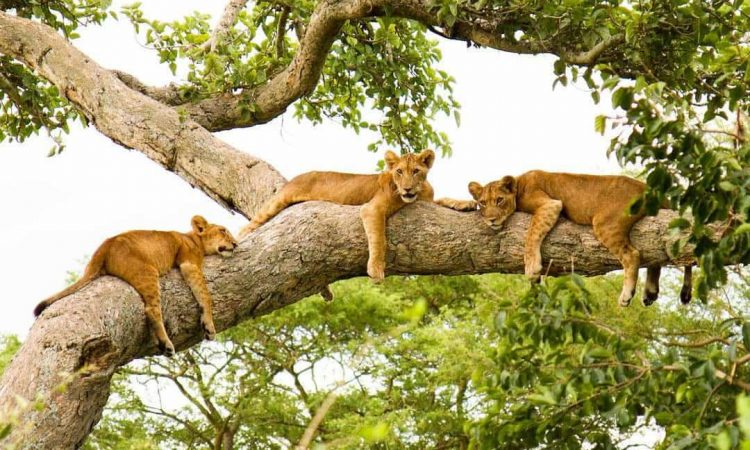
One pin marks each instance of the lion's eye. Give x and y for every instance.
(399, 171)
(499, 201)
(415, 171)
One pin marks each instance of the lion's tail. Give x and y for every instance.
(93, 270)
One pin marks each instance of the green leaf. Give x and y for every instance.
(727, 186)
(541, 399)
(680, 223)
(5, 430)
(600, 124)
(375, 433)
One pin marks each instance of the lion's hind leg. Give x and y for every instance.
(686, 293)
(651, 290)
(270, 209)
(147, 284)
(613, 233)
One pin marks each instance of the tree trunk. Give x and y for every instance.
(82, 339)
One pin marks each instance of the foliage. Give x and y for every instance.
(9, 345)
(452, 362)
(380, 76)
(682, 119)
(29, 103)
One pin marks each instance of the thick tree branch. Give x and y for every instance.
(235, 179)
(293, 256)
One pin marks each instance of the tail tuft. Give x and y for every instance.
(40, 308)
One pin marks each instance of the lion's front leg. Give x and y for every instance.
(457, 205)
(545, 217)
(373, 219)
(194, 277)
(374, 214)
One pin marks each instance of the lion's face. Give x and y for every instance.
(409, 172)
(216, 238)
(496, 200)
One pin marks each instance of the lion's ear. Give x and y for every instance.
(509, 184)
(391, 159)
(427, 157)
(475, 189)
(199, 224)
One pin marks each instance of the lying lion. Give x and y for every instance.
(598, 200)
(140, 257)
(381, 195)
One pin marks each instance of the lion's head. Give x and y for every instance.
(215, 238)
(496, 200)
(409, 172)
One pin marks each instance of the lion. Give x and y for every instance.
(403, 182)
(601, 201)
(139, 257)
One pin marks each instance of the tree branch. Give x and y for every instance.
(228, 19)
(232, 178)
(281, 31)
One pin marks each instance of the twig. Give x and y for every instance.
(312, 427)
(228, 18)
(281, 31)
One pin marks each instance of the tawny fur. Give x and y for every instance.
(380, 195)
(601, 201)
(141, 257)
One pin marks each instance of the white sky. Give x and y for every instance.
(57, 210)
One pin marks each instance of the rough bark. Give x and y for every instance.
(235, 179)
(96, 330)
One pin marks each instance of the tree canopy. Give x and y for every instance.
(451, 362)
(678, 73)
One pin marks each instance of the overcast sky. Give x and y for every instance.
(57, 210)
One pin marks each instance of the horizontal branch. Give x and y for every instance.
(295, 255)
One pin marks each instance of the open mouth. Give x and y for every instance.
(408, 198)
